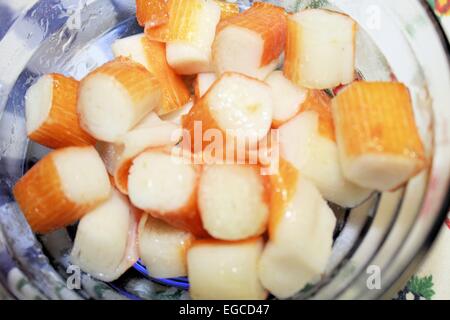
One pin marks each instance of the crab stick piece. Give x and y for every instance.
(320, 49)
(62, 187)
(192, 27)
(115, 97)
(163, 248)
(159, 34)
(307, 142)
(51, 113)
(105, 244)
(233, 201)
(220, 270)
(165, 186)
(379, 143)
(251, 42)
(138, 140)
(152, 55)
(289, 98)
(203, 82)
(152, 12)
(238, 106)
(300, 234)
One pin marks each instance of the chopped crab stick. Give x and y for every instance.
(203, 82)
(115, 97)
(238, 106)
(300, 234)
(163, 248)
(62, 187)
(379, 143)
(138, 140)
(289, 98)
(251, 42)
(320, 49)
(314, 153)
(161, 33)
(51, 113)
(152, 55)
(165, 186)
(106, 240)
(233, 201)
(152, 12)
(220, 270)
(227, 9)
(192, 27)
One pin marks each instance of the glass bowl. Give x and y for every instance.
(386, 237)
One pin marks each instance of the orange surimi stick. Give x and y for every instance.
(233, 201)
(136, 141)
(115, 97)
(239, 107)
(221, 270)
(251, 42)
(192, 27)
(51, 113)
(320, 49)
(105, 244)
(163, 248)
(152, 55)
(318, 101)
(203, 82)
(165, 186)
(289, 98)
(301, 227)
(379, 144)
(161, 33)
(62, 187)
(152, 12)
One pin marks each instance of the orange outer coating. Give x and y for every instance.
(42, 200)
(378, 118)
(284, 187)
(61, 128)
(153, 12)
(267, 20)
(175, 93)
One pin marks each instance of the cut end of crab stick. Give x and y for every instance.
(138, 140)
(320, 49)
(115, 97)
(62, 187)
(163, 248)
(316, 157)
(289, 98)
(251, 42)
(192, 27)
(233, 201)
(220, 270)
(51, 113)
(237, 105)
(379, 143)
(152, 12)
(177, 116)
(301, 235)
(105, 243)
(152, 55)
(203, 82)
(165, 186)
